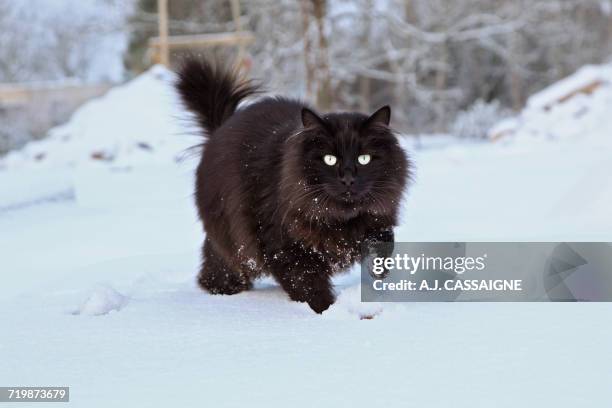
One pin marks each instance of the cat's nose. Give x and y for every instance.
(348, 180)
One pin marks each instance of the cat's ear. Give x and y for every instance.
(380, 117)
(311, 119)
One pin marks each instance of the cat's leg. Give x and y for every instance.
(381, 235)
(379, 243)
(217, 277)
(305, 276)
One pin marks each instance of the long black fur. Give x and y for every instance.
(211, 92)
(269, 203)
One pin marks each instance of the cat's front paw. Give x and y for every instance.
(321, 302)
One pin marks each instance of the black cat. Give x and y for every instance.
(283, 190)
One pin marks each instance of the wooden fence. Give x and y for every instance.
(63, 92)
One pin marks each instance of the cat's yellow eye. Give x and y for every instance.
(330, 159)
(364, 159)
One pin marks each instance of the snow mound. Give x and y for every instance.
(102, 300)
(584, 81)
(574, 107)
(139, 122)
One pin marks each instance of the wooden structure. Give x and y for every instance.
(31, 109)
(160, 46)
(73, 93)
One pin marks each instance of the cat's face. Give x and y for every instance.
(351, 164)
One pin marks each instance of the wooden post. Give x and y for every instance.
(235, 5)
(308, 58)
(162, 15)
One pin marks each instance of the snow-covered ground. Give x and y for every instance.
(99, 249)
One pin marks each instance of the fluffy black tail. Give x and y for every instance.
(211, 92)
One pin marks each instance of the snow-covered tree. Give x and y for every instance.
(42, 40)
